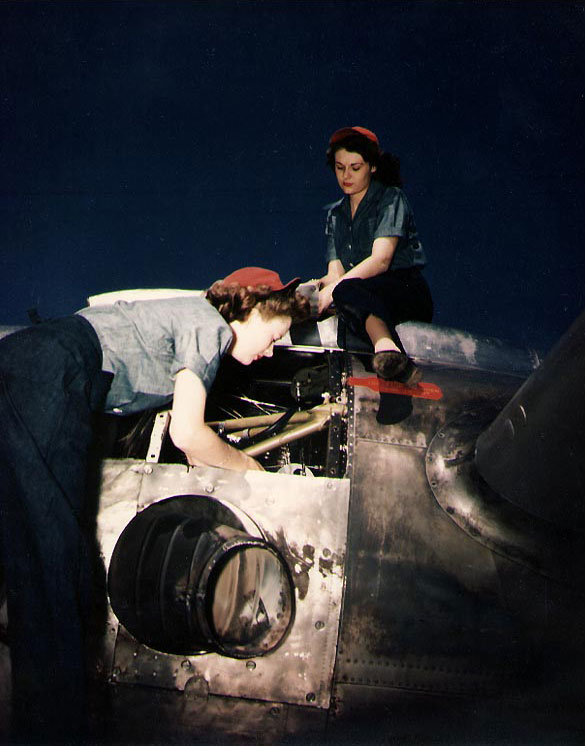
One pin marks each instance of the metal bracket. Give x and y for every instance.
(159, 430)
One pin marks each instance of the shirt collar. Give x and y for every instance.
(372, 194)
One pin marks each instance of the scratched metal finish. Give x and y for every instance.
(305, 518)
(422, 610)
(412, 421)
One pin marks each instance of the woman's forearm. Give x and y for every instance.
(203, 447)
(376, 264)
(369, 267)
(188, 431)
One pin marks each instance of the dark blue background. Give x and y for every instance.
(164, 144)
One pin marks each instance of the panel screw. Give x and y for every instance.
(319, 625)
(250, 665)
(186, 664)
(275, 712)
(311, 697)
(209, 488)
(148, 469)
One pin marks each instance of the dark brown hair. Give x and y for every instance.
(387, 165)
(235, 302)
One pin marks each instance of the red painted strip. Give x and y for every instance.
(421, 390)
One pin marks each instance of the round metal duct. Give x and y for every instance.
(185, 578)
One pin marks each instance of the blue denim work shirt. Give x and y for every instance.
(383, 212)
(146, 343)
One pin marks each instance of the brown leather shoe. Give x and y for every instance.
(389, 364)
(392, 365)
(411, 375)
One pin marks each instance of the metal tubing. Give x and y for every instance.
(320, 416)
(261, 420)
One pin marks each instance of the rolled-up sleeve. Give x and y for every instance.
(393, 215)
(200, 350)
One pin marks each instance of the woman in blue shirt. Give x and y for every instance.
(121, 358)
(373, 252)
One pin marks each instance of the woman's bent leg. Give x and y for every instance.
(393, 297)
(373, 307)
(379, 334)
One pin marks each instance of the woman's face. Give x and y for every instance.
(353, 173)
(255, 337)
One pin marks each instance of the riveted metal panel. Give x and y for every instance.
(421, 610)
(306, 519)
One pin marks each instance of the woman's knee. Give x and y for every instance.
(345, 291)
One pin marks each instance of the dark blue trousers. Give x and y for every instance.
(50, 384)
(395, 296)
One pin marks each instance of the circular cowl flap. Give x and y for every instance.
(186, 578)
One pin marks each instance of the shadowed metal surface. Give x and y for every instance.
(489, 518)
(534, 452)
(421, 609)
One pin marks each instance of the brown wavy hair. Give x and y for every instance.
(235, 302)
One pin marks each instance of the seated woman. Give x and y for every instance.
(373, 252)
(120, 358)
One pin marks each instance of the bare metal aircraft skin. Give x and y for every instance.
(409, 567)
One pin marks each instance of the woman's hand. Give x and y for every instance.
(326, 297)
(335, 272)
